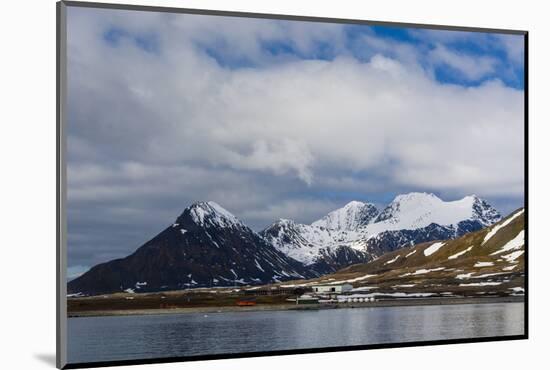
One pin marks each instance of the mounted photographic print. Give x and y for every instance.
(236, 184)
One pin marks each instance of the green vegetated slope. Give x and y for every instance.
(486, 262)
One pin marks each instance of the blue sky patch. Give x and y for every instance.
(149, 43)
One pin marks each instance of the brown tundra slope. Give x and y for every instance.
(486, 262)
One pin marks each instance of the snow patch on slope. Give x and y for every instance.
(454, 256)
(392, 260)
(496, 228)
(512, 256)
(433, 248)
(483, 264)
(486, 283)
(410, 254)
(513, 244)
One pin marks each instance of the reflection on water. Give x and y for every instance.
(139, 337)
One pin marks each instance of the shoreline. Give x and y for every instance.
(290, 307)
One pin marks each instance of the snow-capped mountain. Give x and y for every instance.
(359, 227)
(210, 215)
(205, 246)
(417, 210)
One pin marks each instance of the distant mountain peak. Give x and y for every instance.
(351, 216)
(285, 221)
(209, 214)
(416, 199)
(416, 196)
(484, 212)
(355, 203)
(404, 203)
(281, 226)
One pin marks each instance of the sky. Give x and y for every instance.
(277, 119)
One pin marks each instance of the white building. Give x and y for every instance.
(328, 289)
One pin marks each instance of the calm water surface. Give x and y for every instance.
(141, 337)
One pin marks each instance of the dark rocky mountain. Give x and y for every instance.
(205, 246)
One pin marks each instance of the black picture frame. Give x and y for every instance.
(61, 188)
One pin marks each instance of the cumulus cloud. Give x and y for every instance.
(168, 109)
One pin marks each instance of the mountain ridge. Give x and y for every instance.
(208, 246)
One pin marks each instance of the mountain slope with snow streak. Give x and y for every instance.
(465, 266)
